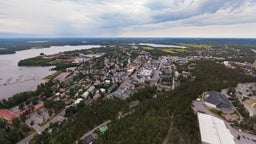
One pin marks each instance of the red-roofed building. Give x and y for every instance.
(96, 96)
(33, 108)
(39, 106)
(8, 115)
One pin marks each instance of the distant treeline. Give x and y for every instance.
(12, 45)
(7, 51)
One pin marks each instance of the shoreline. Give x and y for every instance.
(10, 68)
(14, 51)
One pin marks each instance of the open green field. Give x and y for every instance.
(148, 48)
(167, 50)
(199, 46)
(173, 50)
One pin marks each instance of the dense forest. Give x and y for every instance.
(10, 134)
(36, 61)
(81, 118)
(171, 110)
(160, 115)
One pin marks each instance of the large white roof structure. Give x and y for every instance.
(214, 130)
(146, 72)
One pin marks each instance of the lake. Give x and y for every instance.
(14, 79)
(162, 45)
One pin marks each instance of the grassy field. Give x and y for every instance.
(169, 51)
(173, 50)
(148, 48)
(250, 101)
(166, 50)
(199, 46)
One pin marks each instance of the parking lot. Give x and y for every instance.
(245, 138)
(38, 118)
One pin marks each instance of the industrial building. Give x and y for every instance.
(214, 130)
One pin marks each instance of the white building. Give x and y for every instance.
(214, 130)
(146, 73)
(78, 101)
(85, 94)
(103, 90)
(91, 89)
(107, 81)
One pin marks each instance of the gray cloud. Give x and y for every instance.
(181, 10)
(116, 17)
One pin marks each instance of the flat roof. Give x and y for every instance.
(213, 130)
(146, 72)
(103, 128)
(78, 100)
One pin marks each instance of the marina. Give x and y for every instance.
(14, 79)
(20, 79)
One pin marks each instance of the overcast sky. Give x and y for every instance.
(128, 18)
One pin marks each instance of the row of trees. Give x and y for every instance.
(55, 105)
(249, 123)
(16, 99)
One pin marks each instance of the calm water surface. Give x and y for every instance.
(14, 79)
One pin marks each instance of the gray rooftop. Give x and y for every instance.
(218, 99)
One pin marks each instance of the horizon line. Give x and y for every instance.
(127, 37)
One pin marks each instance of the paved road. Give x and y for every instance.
(91, 131)
(245, 138)
(27, 139)
(57, 118)
(198, 106)
(105, 123)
